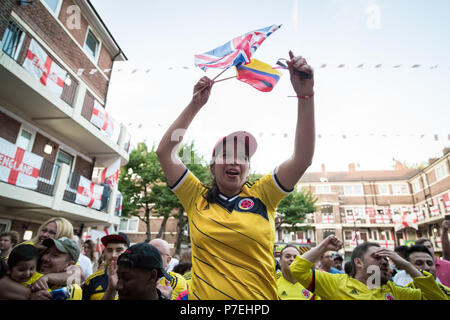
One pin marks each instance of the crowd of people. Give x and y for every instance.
(232, 234)
(141, 271)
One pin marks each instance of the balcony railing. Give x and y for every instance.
(16, 43)
(73, 188)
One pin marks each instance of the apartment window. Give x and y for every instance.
(12, 40)
(323, 189)
(348, 235)
(129, 225)
(416, 186)
(441, 171)
(400, 188)
(91, 45)
(353, 190)
(375, 235)
(62, 157)
(24, 140)
(383, 189)
(53, 5)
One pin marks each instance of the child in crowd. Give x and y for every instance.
(22, 263)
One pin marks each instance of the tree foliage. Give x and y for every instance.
(294, 207)
(145, 191)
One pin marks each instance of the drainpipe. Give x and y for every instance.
(109, 81)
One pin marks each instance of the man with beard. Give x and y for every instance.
(371, 279)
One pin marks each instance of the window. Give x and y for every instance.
(24, 140)
(348, 235)
(129, 225)
(416, 186)
(53, 5)
(62, 157)
(441, 171)
(5, 225)
(12, 40)
(91, 45)
(323, 189)
(383, 189)
(353, 190)
(375, 236)
(326, 209)
(400, 188)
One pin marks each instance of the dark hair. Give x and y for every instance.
(359, 252)
(402, 251)
(349, 268)
(14, 236)
(289, 246)
(422, 241)
(417, 248)
(24, 252)
(212, 194)
(182, 267)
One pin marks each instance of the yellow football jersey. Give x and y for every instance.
(233, 240)
(292, 291)
(178, 284)
(342, 287)
(444, 289)
(75, 290)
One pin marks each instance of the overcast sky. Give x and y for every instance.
(385, 112)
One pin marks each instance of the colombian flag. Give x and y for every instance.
(258, 74)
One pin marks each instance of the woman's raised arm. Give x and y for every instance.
(168, 147)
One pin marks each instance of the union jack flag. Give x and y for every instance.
(234, 52)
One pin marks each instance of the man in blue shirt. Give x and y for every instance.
(326, 263)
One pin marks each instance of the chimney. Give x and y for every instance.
(445, 151)
(323, 168)
(398, 166)
(351, 167)
(432, 160)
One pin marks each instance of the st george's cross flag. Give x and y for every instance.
(259, 75)
(112, 173)
(234, 52)
(405, 220)
(89, 194)
(19, 167)
(43, 68)
(102, 120)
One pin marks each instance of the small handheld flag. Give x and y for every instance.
(234, 52)
(259, 75)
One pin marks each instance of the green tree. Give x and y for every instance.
(137, 179)
(294, 207)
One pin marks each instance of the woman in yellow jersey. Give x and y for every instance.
(232, 222)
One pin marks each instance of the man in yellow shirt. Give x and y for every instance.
(178, 282)
(371, 279)
(288, 287)
(422, 259)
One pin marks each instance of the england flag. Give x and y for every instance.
(89, 194)
(44, 69)
(19, 167)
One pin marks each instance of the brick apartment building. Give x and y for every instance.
(373, 202)
(56, 59)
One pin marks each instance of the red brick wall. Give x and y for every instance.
(46, 26)
(38, 148)
(84, 168)
(9, 128)
(6, 7)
